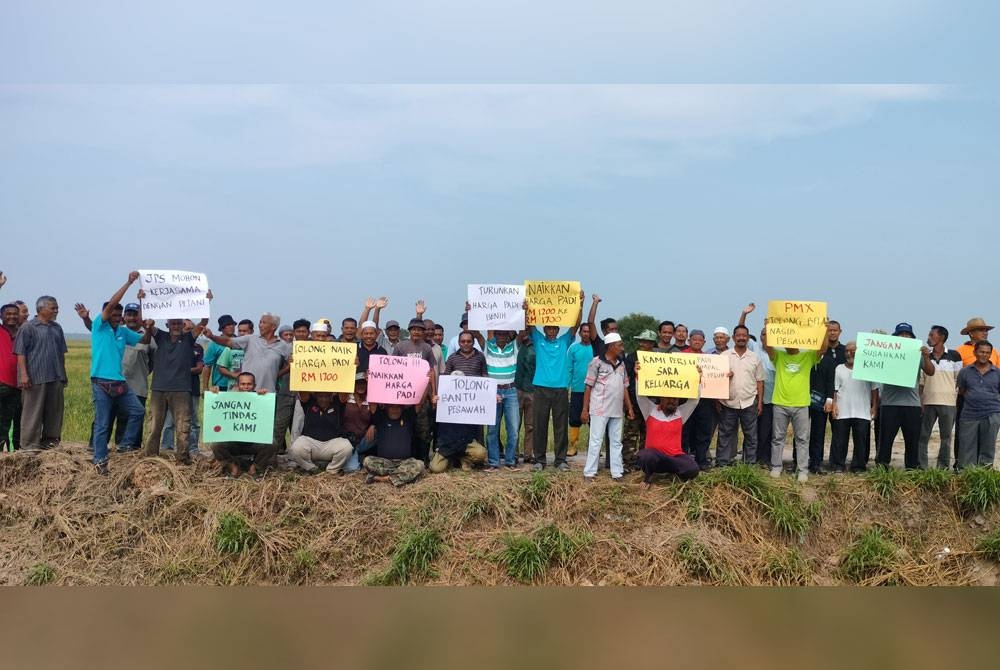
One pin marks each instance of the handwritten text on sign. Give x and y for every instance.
(552, 303)
(238, 417)
(469, 400)
(397, 380)
(714, 376)
(664, 375)
(887, 359)
(323, 366)
(496, 307)
(796, 325)
(174, 294)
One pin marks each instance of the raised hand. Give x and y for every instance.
(132, 276)
(369, 303)
(3, 279)
(749, 308)
(149, 324)
(596, 298)
(381, 302)
(141, 295)
(421, 308)
(209, 294)
(82, 311)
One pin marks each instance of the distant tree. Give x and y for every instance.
(631, 325)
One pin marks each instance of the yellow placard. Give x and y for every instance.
(552, 303)
(323, 366)
(714, 376)
(663, 375)
(796, 324)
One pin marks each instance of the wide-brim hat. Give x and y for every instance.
(647, 335)
(975, 324)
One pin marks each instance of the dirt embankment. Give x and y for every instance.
(154, 523)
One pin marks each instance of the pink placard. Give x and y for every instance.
(396, 380)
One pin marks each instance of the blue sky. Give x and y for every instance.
(678, 162)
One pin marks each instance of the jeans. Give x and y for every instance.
(106, 407)
(979, 441)
(555, 401)
(613, 425)
(725, 447)
(944, 415)
(653, 462)
(799, 418)
(10, 416)
(507, 411)
(168, 429)
(363, 449)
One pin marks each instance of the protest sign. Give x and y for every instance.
(496, 307)
(323, 366)
(470, 400)
(887, 359)
(795, 324)
(396, 380)
(553, 303)
(714, 376)
(174, 294)
(238, 417)
(667, 375)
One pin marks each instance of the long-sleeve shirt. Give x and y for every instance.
(525, 372)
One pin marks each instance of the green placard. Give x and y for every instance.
(887, 359)
(238, 417)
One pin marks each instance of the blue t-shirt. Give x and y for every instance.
(580, 356)
(551, 360)
(107, 346)
(211, 361)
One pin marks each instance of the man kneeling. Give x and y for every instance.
(322, 438)
(264, 455)
(393, 460)
(457, 446)
(663, 452)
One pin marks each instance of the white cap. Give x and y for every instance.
(611, 338)
(320, 327)
(721, 331)
(369, 324)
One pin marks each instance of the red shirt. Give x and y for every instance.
(8, 361)
(664, 436)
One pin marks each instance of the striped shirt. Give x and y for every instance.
(471, 366)
(43, 346)
(501, 364)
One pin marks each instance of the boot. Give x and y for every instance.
(574, 437)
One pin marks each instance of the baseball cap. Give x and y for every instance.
(903, 328)
(415, 323)
(697, 331)
(285, 328)
(134, 307)
(611, 338)
(392, 324)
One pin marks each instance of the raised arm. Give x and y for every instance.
(579, 315)
(595, 300)
(117, 296)
(84, 314)
(768, 349)
(746, 312)
(199, 327)
(218, 339)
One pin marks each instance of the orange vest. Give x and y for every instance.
(968, 353)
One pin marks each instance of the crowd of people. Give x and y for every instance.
(563, 377)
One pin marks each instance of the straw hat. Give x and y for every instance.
(975, 324)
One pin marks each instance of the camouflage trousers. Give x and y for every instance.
(424, 431)
(400, 472)
(633, 439)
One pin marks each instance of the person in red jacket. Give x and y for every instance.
(662, 452)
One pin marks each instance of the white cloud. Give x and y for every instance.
(493, 136)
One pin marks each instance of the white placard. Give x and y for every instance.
(469, 400)
(174, 294)
(496, 307)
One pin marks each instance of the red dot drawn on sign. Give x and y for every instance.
(218, 429)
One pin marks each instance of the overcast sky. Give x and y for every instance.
(677, 162)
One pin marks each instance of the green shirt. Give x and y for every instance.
(791, 377)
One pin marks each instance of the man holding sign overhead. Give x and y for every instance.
(551, 376)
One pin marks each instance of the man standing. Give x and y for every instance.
(979, 384)
(523, 382)
(194, 428)
(501, 365)
(40, 348)
(415, 347)
(580, 354)
(605, 402)
(701, 424)
(821, 384)
(468, 360)
(665, 341)
(939, 396)
(551, 378)
(977, 330)
(899, 408)
(855, 402)
(765, 420)
(173, 357)
(10, 395)
(745, 403)
(791, 402)
(212, 374)
(111, 392)
(264, 356)
(230, 361)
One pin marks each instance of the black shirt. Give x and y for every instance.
(322, 424)
(173, 362)
(364, 354)
(394, 437)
